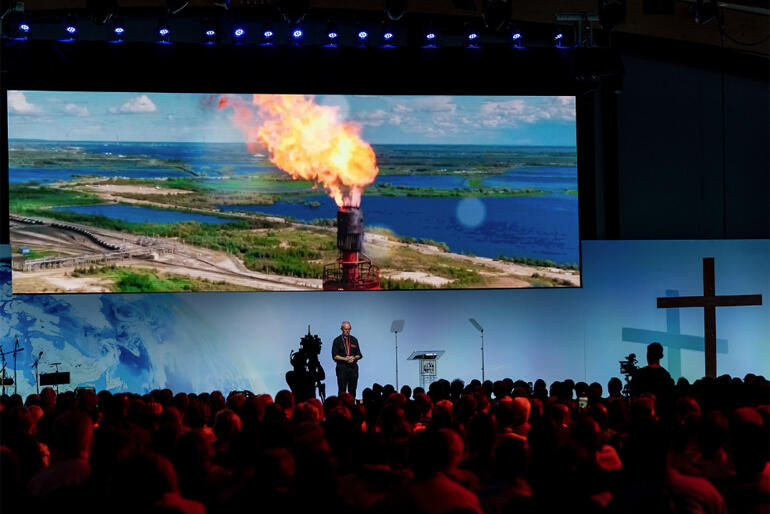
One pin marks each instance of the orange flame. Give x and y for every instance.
(308, 141)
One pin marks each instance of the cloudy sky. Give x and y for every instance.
(108, 116)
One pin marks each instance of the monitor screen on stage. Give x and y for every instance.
(167, 192)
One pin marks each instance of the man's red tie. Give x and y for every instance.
(347, 346)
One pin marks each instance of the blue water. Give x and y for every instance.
(132, 214)
(544, 227)
(544, 178)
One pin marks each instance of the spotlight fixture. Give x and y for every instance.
(209, 33)
(517, 39)
(239, 33)
(395, 9)
(332, 34)
(430, 39)
(268, 35)
(558, 39)
(472, 36)
(362, 35)
(22, 29)
(297, 34)
(118, 30)
(388, 38)
(70, 29)
(496, 13)
(163, 31)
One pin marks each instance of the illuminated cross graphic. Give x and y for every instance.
(710, 301)
(672, 339)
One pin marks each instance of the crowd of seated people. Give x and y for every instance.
(493, 447)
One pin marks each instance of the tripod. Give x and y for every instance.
(37, 377)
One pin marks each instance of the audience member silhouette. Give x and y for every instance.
(497, 447)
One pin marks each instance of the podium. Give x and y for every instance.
(428, 368)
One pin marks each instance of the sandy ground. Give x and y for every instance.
(115, 189)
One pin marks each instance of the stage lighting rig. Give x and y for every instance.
(175, 6)
(496, 13)
(583, 28)
(395, 9)
(293, 11)
(239, 34)
(101, 11)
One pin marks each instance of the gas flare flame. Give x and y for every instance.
(307, 141)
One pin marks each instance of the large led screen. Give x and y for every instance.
(146, 192)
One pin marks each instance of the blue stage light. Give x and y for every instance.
(472, 36)
(332, 35)
(558, 36)
(71, 29)
(119, 30)
(297, 34)
(516, 36)
(430, 36)
(362, 35)
(239, 32)
(387, 36)
(267, 34)
(211, 33)
(163, 32)
(23, 27)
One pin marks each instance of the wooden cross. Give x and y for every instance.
(710, 301)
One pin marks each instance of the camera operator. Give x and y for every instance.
(653, 378)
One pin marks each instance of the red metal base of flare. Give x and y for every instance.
(353, 271)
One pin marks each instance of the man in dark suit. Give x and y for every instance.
(346, 352)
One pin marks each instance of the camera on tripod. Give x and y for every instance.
(628, 366)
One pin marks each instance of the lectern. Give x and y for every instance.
(428, 368)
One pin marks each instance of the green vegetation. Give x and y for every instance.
(73, 157)
(386, 189)
(26, 199)
(530, 261)
(127, 280)
(461, 277)
(395, 284)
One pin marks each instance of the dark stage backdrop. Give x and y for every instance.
(205, 341)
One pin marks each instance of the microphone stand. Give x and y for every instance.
(2, 373)
(480, 329)
(396, 327)
(16, 350)
(37, 378)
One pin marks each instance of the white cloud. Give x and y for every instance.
(18, 104)
(138, 104)
(515, 112)
(76, 110)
